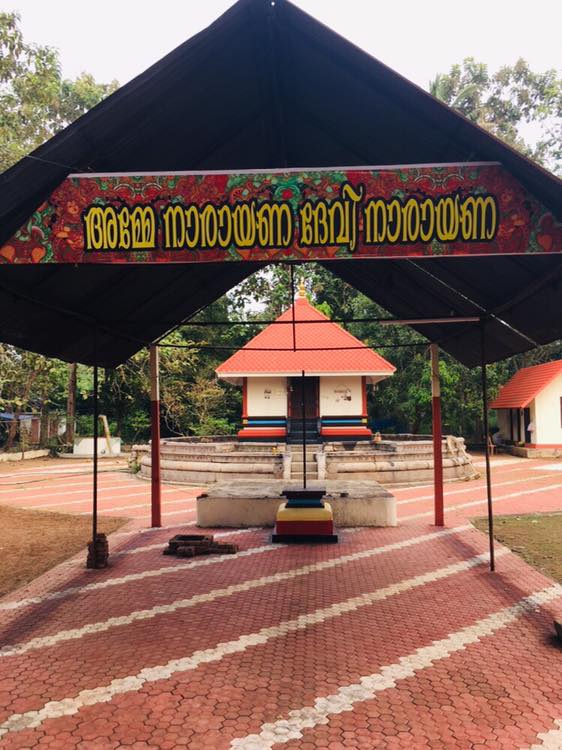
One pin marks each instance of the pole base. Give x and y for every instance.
(304, 538)
(304, 524)
(98, 553)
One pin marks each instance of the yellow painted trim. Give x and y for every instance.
(305, 514)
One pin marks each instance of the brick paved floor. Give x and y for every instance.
(395, 638)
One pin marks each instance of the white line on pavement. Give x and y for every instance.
(474, 484)
(549, 740)
(534, 490)
(473, 489)
(147, 530)
(146, 504)
(210, 596)
(175, 512)
(52, 489)
(159, 545)
(138, 491)
(366, 688)
(60, 470)
(132, 683)
(501, 462)
(333, 562)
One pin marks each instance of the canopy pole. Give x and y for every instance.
(303, 414)
(437, 437)
(487, 445)
(95, 454)
(155, 481)
(293, 321)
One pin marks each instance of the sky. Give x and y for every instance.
(118, 39)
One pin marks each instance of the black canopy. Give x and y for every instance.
(267, 86)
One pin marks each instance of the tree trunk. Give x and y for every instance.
(12, 431)
(44, 429)
(71, 404)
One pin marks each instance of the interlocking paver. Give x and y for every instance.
(161, 654)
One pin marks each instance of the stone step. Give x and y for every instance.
(294, 448)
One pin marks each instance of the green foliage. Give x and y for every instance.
(214, 426)
(35, 100)
(507, 101)
(35, 103)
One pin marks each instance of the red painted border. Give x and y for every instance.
(244, 398)
(346, 431)
(543, 445)
(305, 527)
(262, 432)
(364, 394)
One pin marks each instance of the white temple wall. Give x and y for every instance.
(267, 397)
(547, 416)
(341, 396)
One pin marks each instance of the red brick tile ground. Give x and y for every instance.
(395, 638)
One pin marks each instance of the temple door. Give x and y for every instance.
(311, 388)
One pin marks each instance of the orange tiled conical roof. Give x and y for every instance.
(330, 341)
(525, 385)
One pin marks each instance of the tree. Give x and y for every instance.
(35, 100)
(71, 404)
(35, 103)
(509, 103)
(28, 382)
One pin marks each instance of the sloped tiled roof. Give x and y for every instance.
(526, 385)
(326, 337)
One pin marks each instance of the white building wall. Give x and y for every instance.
(504, 426)
(341, 396)
(267, 397)
(547, 417)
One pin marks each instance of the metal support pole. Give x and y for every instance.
(95, 454)
(155, 482)
(293, 300)
(303, 414)
(487, 446)
(437, 437)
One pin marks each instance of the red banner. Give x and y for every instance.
(383, 212)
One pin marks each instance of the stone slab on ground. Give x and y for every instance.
(243, 503)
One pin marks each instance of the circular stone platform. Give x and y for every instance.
(243, 503)
(397, 460)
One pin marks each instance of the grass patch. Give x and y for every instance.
(536, 537)
(32, 542)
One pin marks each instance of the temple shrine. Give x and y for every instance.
(337, 369)
(529, 411)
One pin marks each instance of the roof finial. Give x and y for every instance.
(302, 289)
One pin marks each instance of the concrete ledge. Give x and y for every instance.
(39, 453)
(522, 452)
(215, 469)
(244, 503)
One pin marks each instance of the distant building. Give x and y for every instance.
(338, 368)
(529, 407)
